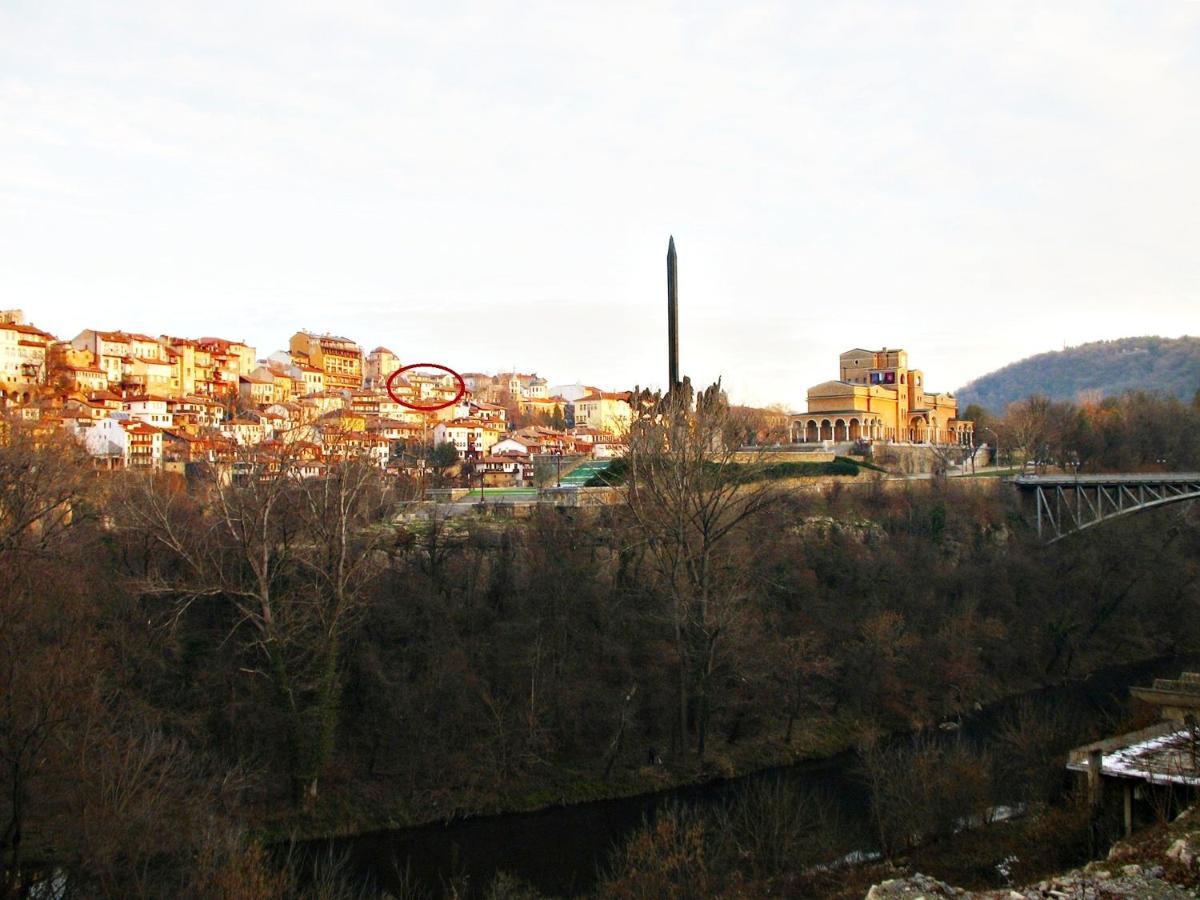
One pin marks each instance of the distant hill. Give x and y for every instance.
(1166, 365)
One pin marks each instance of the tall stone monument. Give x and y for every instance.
(672, 316)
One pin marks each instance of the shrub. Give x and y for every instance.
(663, 859)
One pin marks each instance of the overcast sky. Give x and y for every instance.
(490, 186)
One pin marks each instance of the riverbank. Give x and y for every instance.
(353, 808)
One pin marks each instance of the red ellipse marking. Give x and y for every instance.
(462, 386)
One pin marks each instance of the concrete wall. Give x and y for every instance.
(773, 456)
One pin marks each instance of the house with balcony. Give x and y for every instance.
(24, 355)
(125, 443)
(504, 470)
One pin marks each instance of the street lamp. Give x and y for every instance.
(997, 437)
(558, 462)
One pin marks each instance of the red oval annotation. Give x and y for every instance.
(462, 386)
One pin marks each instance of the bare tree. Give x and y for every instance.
(342, 518)
(42, 486)
(291, 556)
(48, 660)
(1027, 423)
(688, 494)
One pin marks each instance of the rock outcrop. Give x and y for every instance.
(1162, 864)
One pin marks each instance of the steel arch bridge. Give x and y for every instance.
(1070, 503)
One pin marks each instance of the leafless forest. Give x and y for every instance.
(192, 670)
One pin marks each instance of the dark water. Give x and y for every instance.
(560, 850)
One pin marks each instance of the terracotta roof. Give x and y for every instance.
(540, 431)
(137, 426)
(182, 435)
(28, 329)
(114, 337)
(124, 337)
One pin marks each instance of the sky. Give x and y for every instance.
(492, 185)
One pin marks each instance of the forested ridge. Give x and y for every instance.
(193, 669)
(1170, 366)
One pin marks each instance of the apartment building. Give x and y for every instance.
(339, 358)
(606, 412)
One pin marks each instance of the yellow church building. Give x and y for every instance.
(877, 397)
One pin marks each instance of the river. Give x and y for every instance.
(561, 850)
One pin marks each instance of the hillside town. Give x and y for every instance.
(165, 403)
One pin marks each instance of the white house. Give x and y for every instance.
(472, 438)
(516, 446)
(245, 431)
(125, 443)
(151, 410)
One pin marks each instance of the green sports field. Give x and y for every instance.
(501, 494)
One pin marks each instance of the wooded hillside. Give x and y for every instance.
(1170, 366)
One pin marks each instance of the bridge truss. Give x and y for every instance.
(1070, 503)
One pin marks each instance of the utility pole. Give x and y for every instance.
(425, 451)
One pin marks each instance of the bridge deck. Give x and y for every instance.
(1122, 478)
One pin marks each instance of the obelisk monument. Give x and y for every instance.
(672, 316)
